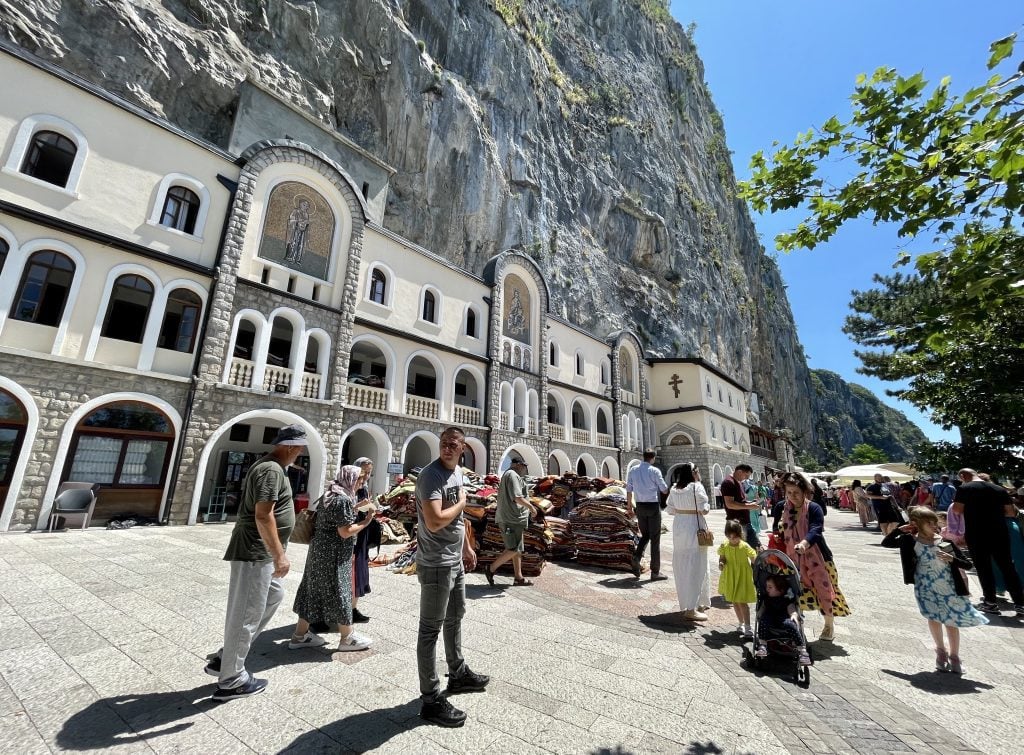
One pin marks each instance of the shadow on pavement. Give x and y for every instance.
(361, 732)
(115, 721)
(940, 684)
(717, 640)
(271, 650)
(617, 750)
(823, 650)
(622, 583)
(702, 748)
(476, 592)
(673, 623)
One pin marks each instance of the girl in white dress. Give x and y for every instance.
(688, 503)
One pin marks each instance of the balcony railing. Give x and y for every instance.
(604, 439)
(764, 453)
(581, 436)
(310, 387)
(503, 421)
(367, 397)
(417, 406)
(241, 372)
(275, 376)
(531, 426)
(557, 431)
(628, 397)
(466, 415)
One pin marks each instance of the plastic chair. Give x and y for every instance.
(75, 500)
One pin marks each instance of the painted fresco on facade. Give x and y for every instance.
(517, 310)
(298, 229)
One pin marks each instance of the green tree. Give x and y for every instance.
(865, 453)
(807, 462)
(931, 162)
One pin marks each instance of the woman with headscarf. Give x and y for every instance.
(361, 559)
(803, 528)
(862, 503)
(688, 503)
(325, 593)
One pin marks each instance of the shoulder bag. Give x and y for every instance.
(705, 537)
(305, 524)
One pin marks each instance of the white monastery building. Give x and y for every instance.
(167, 303)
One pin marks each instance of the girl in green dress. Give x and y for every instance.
(737, 581)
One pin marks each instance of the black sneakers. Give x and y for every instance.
(359, 618)
(213, 666)
(252, 687)
(469, 681)
(442, 713)
(986, 607)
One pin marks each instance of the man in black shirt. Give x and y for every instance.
(736, 505)
(981, 504)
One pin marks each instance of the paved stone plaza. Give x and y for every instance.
(105, 635)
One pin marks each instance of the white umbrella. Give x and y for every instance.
(866, 473)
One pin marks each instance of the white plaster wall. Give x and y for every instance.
(411, 270)
(662, 395)
(127, 159)
(569, 341)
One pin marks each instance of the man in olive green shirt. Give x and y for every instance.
(256, 551)
(512, 516)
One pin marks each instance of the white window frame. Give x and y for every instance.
(389, 286)
(438, 305)
(194, 184)
(465, 321)
(554, 351)
(579, 364)
(32, 125)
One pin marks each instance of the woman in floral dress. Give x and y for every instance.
(325, 593)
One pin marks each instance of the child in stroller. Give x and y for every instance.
(779, 628)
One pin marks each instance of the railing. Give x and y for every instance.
(604, 439)
(367, 397)
(764, 453)
(503, 421)
(275, 376)
(417, 406)
(628, 397)
(557, 432)
(531, 426)
(466, 415)
(581, 436)
(310, 387)
(240, 373)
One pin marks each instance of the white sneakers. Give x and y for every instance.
(695, 616)
(353, 642)
(309, 640)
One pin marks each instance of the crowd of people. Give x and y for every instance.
(933, 554)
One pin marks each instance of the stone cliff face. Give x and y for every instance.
(846, 414)
(580, 131)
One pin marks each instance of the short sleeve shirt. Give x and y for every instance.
(983, 507)
(265, 481)
(444, 547)
(734, 490)
(508, 511)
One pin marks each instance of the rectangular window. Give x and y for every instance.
(143, 462)
(8, 447)
(269, 433)
(95, 459)
(240, 432)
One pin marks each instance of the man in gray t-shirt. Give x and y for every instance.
(512, 517)
(442, 555)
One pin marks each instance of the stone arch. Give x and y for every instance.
(381, 454)
(611, 465)
(534, 466)
(71, 424)
(420, 457)
(25, 451)
(589, 465)
(562, 462)
(479, 455)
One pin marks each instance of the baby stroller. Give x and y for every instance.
(769, 563)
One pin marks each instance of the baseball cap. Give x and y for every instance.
(516, 460)
(290, 435)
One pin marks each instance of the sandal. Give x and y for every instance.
(522, 583)
(941, 661)
(490, 575)
(827, 634)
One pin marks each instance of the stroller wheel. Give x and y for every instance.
(803, 676)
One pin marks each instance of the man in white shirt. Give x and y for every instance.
(645, 484)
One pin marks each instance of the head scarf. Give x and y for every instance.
(345, 482)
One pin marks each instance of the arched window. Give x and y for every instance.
(181, 321)
(44, 289)
(471, 322)
(122, 445)
(553, 354)
(429, 306)
(13, 420)
(128, 310)
(378, 286)
(4, 249)
(579, 364)
(708, 385)
(50, 158)
(181, 208)
(606, 372)
(714, 431)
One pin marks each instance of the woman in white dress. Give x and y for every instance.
(688, 503)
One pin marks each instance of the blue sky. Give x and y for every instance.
(777, 68)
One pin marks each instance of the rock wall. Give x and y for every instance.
(580, 132)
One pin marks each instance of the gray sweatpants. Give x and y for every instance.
(253, 597)
(442, 606)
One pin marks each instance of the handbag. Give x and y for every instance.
(705, 537)
(305, 524)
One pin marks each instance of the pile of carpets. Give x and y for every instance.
(604, 535)
(536, 541)
(400, 502)
(392, 531)
(563, 544)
